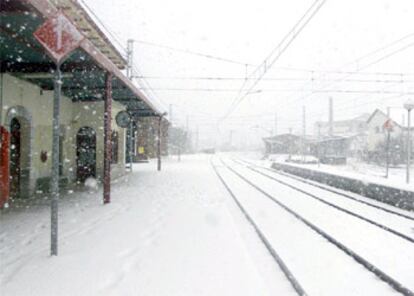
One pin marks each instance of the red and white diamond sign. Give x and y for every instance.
(58, 36)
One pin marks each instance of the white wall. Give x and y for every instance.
(39, 106)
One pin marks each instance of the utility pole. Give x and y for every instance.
(275, 131)
(319, 144)
(159, 143)
(187, 133)
(196, 140)
(130, 131)
(130, 52)
(409, 106)
(290, 144)
(170, 112)
(330, 116)
(388, 125)
(304, 133)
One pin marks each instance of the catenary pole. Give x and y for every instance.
(387, 166)
(408, 146)
(130, 62)
(409, 105)
(159, 143)
(107, 139)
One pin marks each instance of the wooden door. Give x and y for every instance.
(4, 165)
(15, 157)
(86, 153)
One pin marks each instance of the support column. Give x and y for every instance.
(54, 186)
(107, 139)
(159, 144)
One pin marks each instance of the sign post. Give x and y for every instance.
(388, 125)
(59, 37)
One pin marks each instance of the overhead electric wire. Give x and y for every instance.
(204, 55)
(282, 90)
(279, 50)
(269, 79)
(121, 46)
(371, 63)
(114, 37)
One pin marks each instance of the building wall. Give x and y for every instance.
(340, 127)
(35, 106)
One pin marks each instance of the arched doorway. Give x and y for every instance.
(20, 172)
(85, 153)
(15, 157)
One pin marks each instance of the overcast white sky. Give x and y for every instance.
(246, 31)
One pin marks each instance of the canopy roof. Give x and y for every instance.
(85, 69)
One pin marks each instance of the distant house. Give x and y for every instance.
(377, 139)
(376, 133)
(348, 127)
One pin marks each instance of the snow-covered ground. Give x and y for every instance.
(165, 233)
(320, 267)
(178, 232)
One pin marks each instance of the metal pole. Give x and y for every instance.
(159, 144)
(197, 139)
(107, 139)
(387, 165)
(408, 146)
(331, 117)
(130, 52)
(304, 134)
(55, 162)
(275, 131)
(131, 149)
(290, 144)
(319, 145)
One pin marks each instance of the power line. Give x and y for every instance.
(121, 46)
(271, 79)
(114, 37)
(346, 91)
(204, 55)
(373, 62)
(277, 52)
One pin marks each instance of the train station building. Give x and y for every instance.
(93, 84)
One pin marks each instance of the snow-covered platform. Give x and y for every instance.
(399, 196)
(165, 233)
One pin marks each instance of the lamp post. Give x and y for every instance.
(409, 105)
(319, 144)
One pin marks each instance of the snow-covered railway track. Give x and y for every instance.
(290, 277)
(350, 196)
(288, 232)
(351, 212)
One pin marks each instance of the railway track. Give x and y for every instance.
(328, 189)
(251, 205)
(335, 206)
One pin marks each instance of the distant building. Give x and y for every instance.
(376, 133)
(352, 126)
(377, 139)
(283, 144)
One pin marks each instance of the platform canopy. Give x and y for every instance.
(83, 72)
